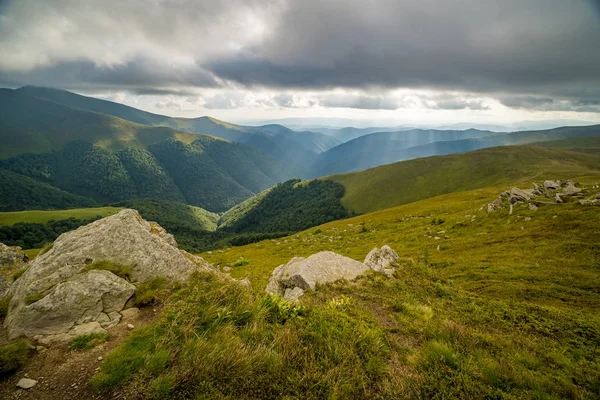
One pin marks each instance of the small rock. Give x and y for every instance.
(130, 312)
(100, 358)
(598, 196)
(533, 207)
(527, 219)
(130, 327)
(226, 268)
(26, 383)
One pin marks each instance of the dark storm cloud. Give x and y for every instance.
(536, 48)
(477, 45)
(138, 76)
(551, 104)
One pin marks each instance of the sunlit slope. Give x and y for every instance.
(407, 181)
(33, 125)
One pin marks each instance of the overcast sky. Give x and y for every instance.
(409, 61)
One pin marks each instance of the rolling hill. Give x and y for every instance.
(283, 143)
(107, 159)
(413, 180)
(386, 147)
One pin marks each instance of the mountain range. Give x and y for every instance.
(75, 151)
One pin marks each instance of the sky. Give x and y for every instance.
(385, 62)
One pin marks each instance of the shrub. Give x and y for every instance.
(240, 262)
(280, 310)
(89, 341)
(13, 355)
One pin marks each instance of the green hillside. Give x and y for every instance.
(297, 148)
(18, 192)
(288, 207)
(408, 181)
(505, 307)
(33, 125)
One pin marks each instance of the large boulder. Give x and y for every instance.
(306, 273)
(570, 189)
(59, 291)
(382, 260)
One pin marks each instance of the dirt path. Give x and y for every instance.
(65, 374)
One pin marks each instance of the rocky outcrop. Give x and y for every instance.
(59, 292)
(382, 260)
(306, 273)
(550, 192)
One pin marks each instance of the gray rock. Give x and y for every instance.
(293, 295)
(589, 202)
(495, 205)
(72, 295)
(80, 300)
(380, 259)
(551, 185)
(26, 383)
(558, 198)
(306, 273)
(10, 255)
(537, 191)
(570, 189)
(130, 312)
(598, 196)
(518, 196)
(532, 207)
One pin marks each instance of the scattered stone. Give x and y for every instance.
(226, 268)
(130, 327)
(518, 196)
(589, 202)
(100, 358)
(537, 191)
(551, 185)
(598, 196)
(527, 219)
(130, 312)
(26, 383)
(495, 205)
(571, 189)
(380, 259)
(306, 273)
(532, 207)
(558, 198)
(245, 282)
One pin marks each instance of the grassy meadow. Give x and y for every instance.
(481, 306)
(41, 217)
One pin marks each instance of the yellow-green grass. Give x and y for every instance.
(505, 308)
(35, 216)
(408, 181)
(552, 258)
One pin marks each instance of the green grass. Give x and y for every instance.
(4, 303)
(12, 217)
(151, 292)
(503, 308)
(408, 181)
(121, 270)
(13, 356)
(86, 342)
